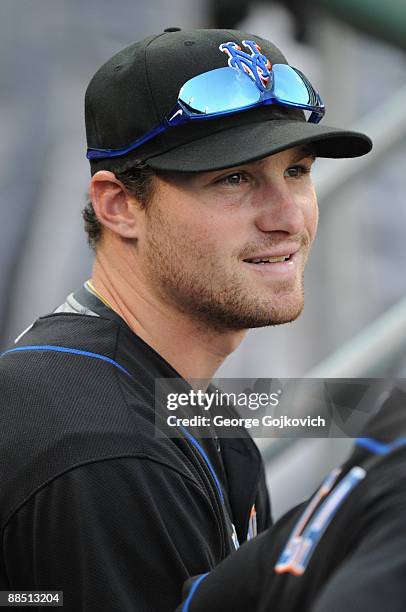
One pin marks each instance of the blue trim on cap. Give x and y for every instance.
(192, 591)
(207, 460)
(380, 448)
(72, 351)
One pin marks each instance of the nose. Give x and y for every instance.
(279, 211)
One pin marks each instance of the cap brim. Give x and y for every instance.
(245, 143)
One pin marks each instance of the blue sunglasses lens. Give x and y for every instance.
(218, 91)
(291, 86)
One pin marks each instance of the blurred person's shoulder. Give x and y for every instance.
(381, 450)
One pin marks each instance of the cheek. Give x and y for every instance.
(199, 227)
(203, 228)
(313, 220)
(180, 234)
(311, 213)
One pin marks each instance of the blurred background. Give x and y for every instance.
(353, 51)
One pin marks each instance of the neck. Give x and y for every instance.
(191, 348)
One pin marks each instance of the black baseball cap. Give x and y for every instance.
(133, 92)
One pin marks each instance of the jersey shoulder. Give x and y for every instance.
(67, 401)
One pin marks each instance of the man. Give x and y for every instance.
(202, 215)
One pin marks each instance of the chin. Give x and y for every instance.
(278, 310)
(277, 316)
(250, 318)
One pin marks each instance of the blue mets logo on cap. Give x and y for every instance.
(255, 64)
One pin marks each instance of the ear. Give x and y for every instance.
(113, 206)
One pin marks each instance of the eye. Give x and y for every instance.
(297, 171)
(234, 179)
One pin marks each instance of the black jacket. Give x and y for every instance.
(92, 502)
(351, 555)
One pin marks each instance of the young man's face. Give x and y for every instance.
(207, 240)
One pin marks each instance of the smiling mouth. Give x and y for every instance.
(268, 260)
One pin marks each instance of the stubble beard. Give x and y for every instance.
(186, 277)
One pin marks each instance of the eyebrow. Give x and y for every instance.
(180, 177)
(301, 153)
(305, 151)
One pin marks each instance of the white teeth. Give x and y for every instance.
(269, 259)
